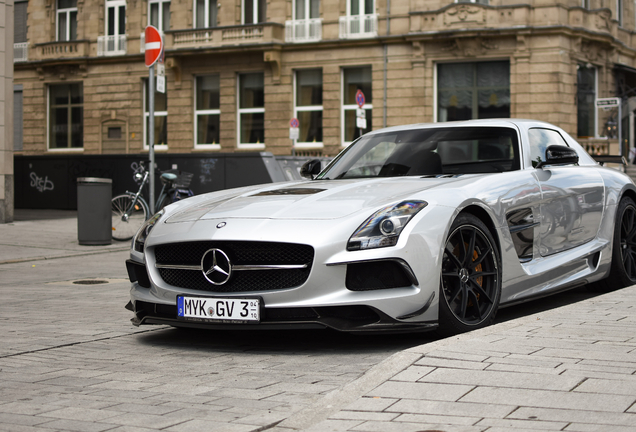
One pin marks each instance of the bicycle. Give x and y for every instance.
(130, 210)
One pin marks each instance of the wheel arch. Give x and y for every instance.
(481, 214)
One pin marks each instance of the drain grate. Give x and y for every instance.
(90, 282)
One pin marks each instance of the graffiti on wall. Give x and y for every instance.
(207, 166)
(42, 184)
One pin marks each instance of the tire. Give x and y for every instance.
(623, 268)
(125, 229)
(470, 281)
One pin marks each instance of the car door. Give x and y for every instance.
(571, 197)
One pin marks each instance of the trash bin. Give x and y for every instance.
(94, 222)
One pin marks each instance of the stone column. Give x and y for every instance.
(6, 111)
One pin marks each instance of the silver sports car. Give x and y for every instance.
(428, 226)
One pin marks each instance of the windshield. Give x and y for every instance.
(428, 152)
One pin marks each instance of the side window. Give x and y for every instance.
(540, 139)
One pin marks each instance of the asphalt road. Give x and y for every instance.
(71, 360)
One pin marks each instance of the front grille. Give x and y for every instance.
(239, 253)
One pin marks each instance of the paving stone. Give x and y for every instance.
(501, 379)
(457, 409)
(522, 424)
(426, 391)
(456, 364)
(438, 419)
(549, 399)
(372, 426)
(412, 373)
(371, 404)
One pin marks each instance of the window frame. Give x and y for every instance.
(160, 17)
(475, 89)
(255, 11)
(239, 111)
(206, 14)
(65, 11)
(115, 4)
(352, 107)
(307, 108)
(146, 117)
(197, 113)
(48, 119)
(594, 109)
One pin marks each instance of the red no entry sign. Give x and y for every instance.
(154, 45)
(360, 98)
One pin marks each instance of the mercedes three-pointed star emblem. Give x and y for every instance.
(216, 266)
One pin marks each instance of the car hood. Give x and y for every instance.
(318, 200)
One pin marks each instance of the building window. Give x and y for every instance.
(17, 117)
(306, 25)
(354, 79)
(308, 107)
(114, 40)
(619, 12)
(207, 112)
(159, 13)
(251, 111)
(66, 116)
(20, 44)
(205, 13)
(473, 91)
(586, 102)
(20, 22)
(361, 20)
(161, 118)
(254, 11)
(66, 20)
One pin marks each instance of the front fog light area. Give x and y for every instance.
(383, 228)
(139, 241)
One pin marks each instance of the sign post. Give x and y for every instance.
(610, 103)
(361, 116)
(294, 133)
(154, 48)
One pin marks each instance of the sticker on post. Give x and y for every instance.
(234, 310)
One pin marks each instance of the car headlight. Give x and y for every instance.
(139, 240)
(383, 228)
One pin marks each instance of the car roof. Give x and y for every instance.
(502, 122)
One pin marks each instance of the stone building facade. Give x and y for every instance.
(237, 71)
(6, 111)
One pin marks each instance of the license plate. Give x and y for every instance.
(234, 310)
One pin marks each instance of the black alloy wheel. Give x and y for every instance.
(470, 279)
(627, 240)
(623, 268)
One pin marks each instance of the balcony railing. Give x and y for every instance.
(358, 26)
(111, 45)
(303, 30)
(20, 52)
(225, 36)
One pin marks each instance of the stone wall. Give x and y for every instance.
(6, 111)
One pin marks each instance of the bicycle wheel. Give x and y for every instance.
(125, 228)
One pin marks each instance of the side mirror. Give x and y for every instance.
(311, 168)
(559, 155)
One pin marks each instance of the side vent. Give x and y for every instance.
(521, 224)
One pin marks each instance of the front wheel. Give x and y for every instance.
(127, 219)
(470, 286)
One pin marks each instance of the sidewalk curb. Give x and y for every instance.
(71, 255)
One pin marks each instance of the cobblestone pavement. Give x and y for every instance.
(71, 361)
